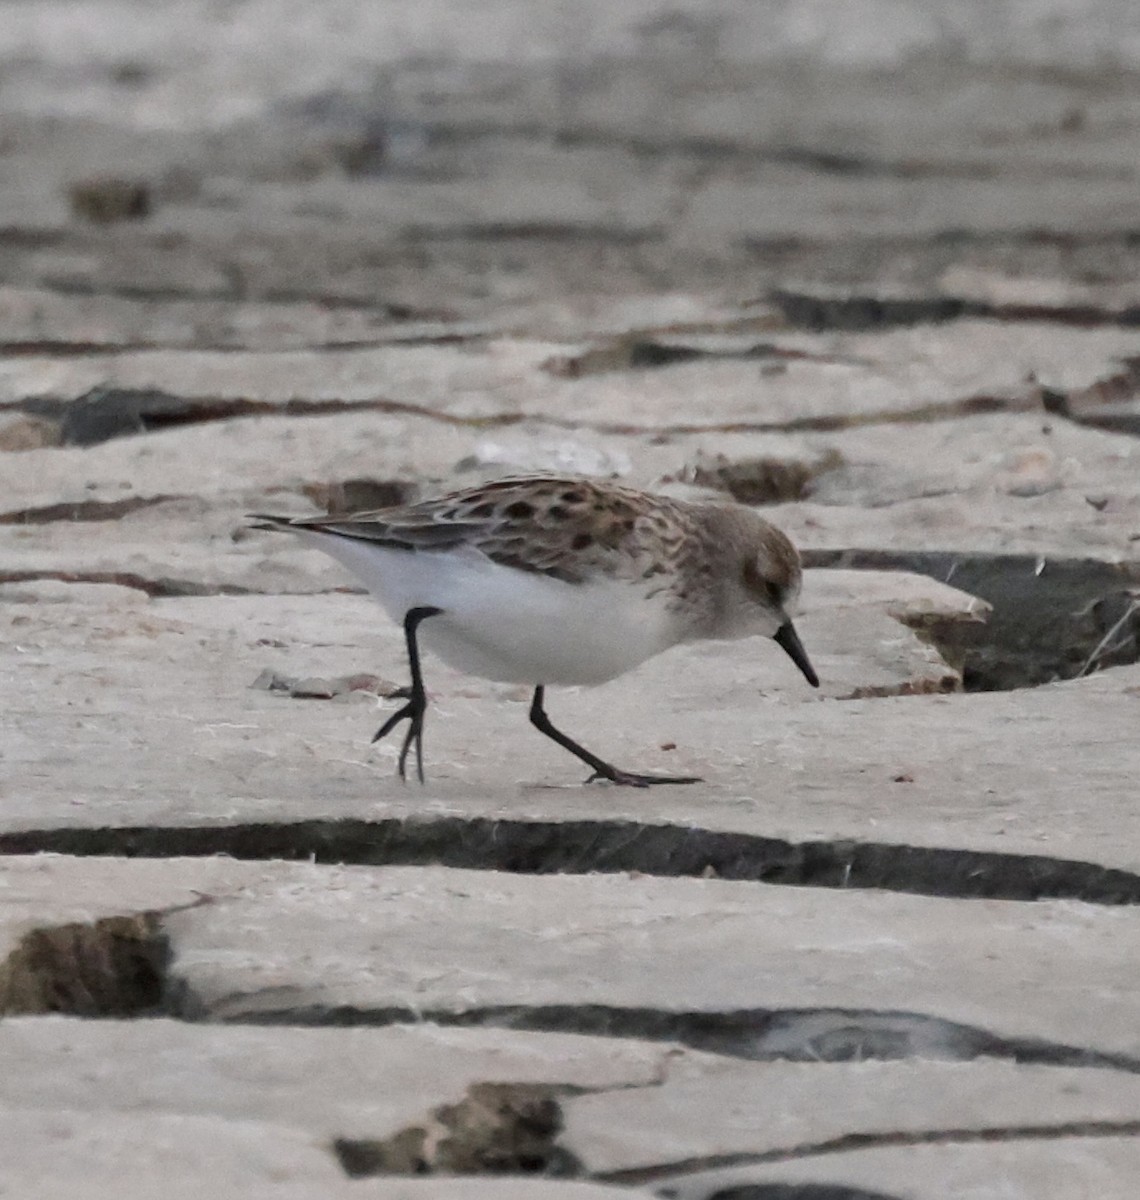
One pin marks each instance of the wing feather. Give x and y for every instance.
(567, 528)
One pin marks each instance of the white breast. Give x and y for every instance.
(509, 625)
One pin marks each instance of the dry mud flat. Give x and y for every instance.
(889, 949)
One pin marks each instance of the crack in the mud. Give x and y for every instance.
(64, 348)
(153, 293)
(807, 1035)
(790, 1191)
(83, 510)
(865, 1141)
(861, 313)
(104, 414)
(1049, 615)
(536, 230)
(160, 587)
(513, 1129)
(1110, 403)
(110, 412)
(577, 847)
(642, 351)
(706, 147)
(125, 966)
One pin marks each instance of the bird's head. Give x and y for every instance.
(766, 586)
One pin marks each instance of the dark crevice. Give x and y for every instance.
(574, 847)
(547, 231)
(1080, 316)
(857, 314)
(83, 510)
(153, 293)
(61, 348)
(865, 1141)
(640, 352)
(163, 586)
(106, 413)
(954, 238)
(1111, 403)
(341, 496)
(861, 313)
(809, 1035)
(708, 148)
(790, 1191)
(122, 966)
(27, 237)
(103, 414)
(1050, 616)
(761, 480)
(1104, 252)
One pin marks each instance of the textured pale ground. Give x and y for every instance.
(428, 939)
(646, 1104)
(276, 938)
(94, 729)
(327, 1083)
(477, 227)
(705, 1110)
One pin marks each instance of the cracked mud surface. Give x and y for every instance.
(879, 280)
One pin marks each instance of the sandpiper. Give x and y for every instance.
(542, 580)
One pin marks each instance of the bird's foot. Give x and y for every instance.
(631, 779)
(413, 713)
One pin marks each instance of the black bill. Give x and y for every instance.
(787, 638)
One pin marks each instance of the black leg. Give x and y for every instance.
(413, 711)
(602, 770)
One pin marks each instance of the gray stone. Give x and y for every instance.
(106, 198)
(23, 433)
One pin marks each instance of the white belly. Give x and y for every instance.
(509, 625)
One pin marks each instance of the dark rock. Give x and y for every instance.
(103, 199)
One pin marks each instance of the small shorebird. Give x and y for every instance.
(546, 580)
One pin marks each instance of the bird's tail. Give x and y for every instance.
(269, 521)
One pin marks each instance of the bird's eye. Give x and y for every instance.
(767, 591)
